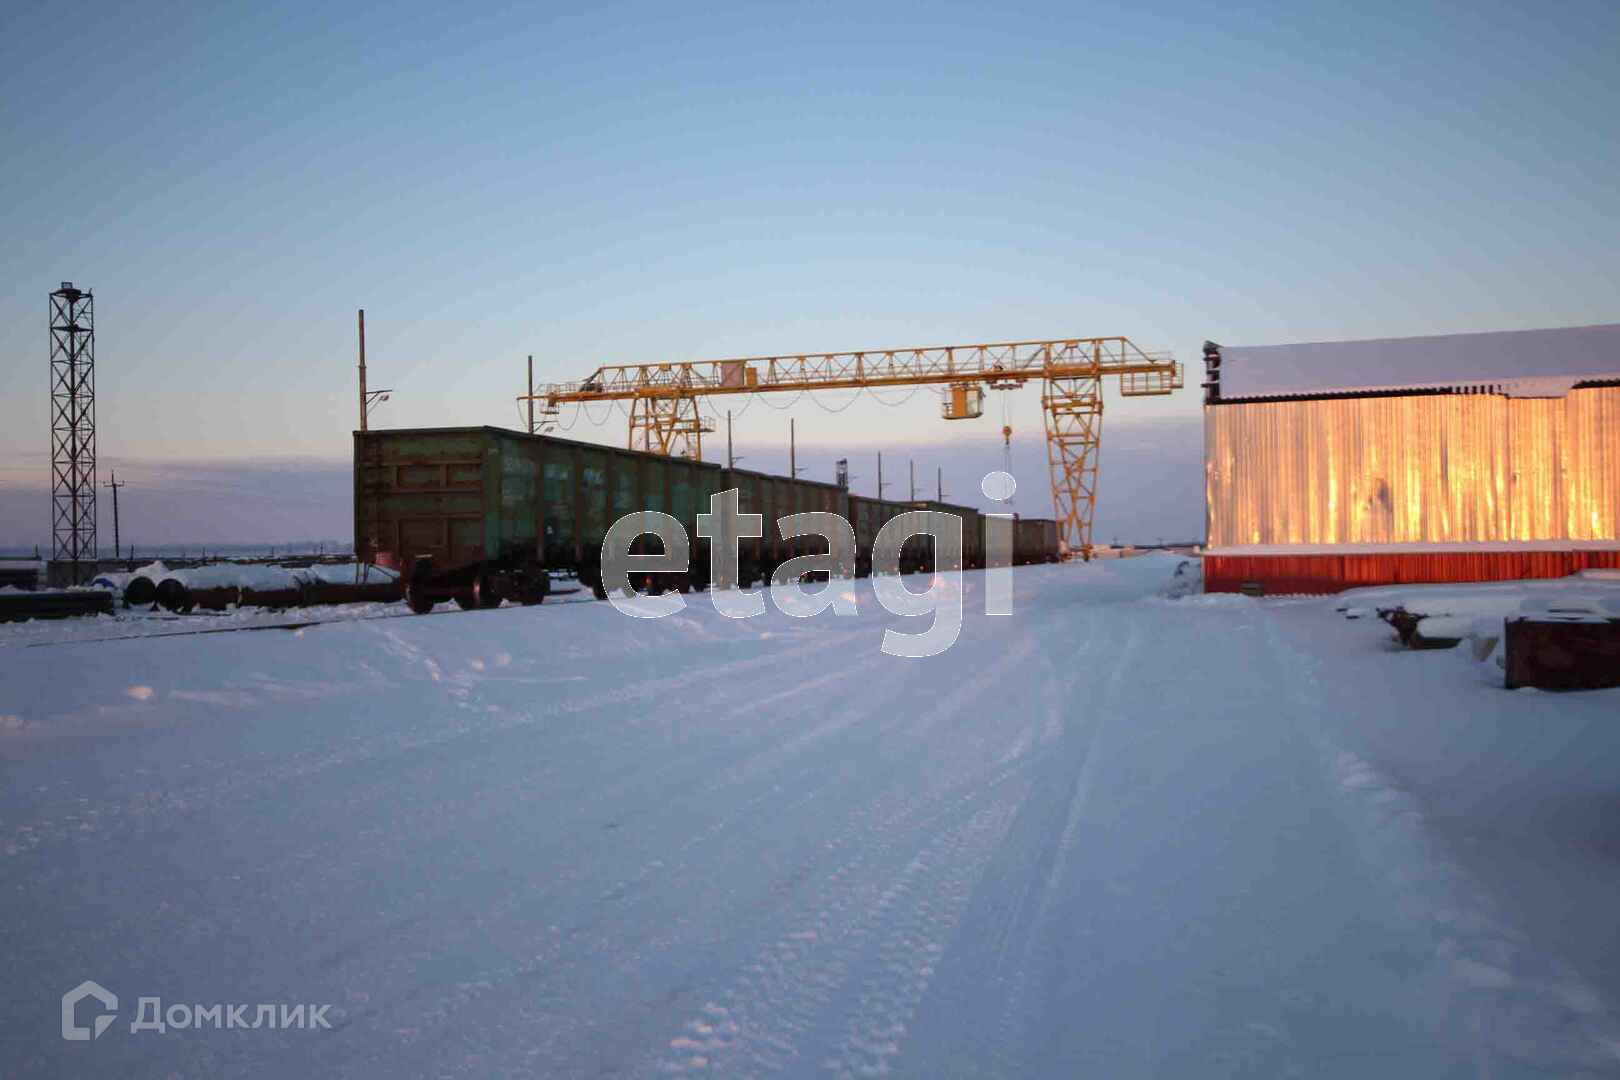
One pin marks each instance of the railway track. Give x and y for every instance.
(195, 631)
(572, 595)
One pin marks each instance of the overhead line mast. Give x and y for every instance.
(665, 418)
(73, 431)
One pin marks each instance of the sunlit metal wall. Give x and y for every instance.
(1422, 468)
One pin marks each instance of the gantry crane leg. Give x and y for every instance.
(1073, 408)
(667, 424)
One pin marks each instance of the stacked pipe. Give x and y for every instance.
(272, 588)
(19, 606)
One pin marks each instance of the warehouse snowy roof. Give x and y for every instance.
(1520, 363)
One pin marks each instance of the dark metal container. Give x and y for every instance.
(1557, 654)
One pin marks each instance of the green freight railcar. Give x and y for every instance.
(868, 517)
(1035, 540)
(480, 515)
(587, 487)
(454, 507)
(773, 498)
(972, 533)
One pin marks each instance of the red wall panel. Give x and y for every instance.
(1278, 574)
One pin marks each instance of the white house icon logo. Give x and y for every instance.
(71, 1031)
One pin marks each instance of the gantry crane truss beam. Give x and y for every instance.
(665, 419)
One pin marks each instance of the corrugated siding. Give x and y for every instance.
(1418, 469)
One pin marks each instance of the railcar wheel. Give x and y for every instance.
(418, 601)
(487, 591)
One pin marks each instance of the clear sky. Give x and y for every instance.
(626, 183)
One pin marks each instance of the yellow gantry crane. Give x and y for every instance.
(665, 417)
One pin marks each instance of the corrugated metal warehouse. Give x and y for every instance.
(1466, 457)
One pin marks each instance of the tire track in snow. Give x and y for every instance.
(1083, 759)
(859, 921)
(1071, 689)
(920, 912)
(757, 1023)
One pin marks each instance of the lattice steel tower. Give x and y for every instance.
(73, 429)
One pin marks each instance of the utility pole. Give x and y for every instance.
(939, 477)
(731, 461)
(115, 485)
(531, 393)
(793, 450)
(913, 466)
(364, 402)
(880, 476)
(368, 398)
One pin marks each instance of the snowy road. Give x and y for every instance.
(1109, 835)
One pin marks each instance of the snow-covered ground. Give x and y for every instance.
(1113, 834)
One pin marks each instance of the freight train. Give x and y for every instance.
(480, 514)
